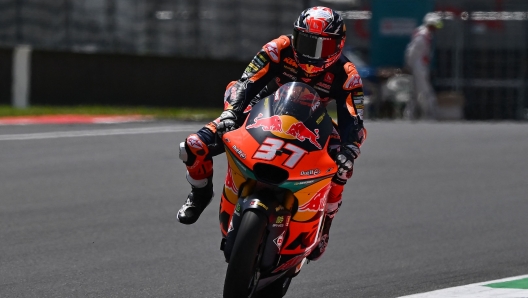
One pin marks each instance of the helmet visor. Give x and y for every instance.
(315, 47)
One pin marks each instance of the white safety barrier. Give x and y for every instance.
(21, 76)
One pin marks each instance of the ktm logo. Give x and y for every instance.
(290, 61)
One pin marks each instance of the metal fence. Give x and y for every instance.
(233, 29)
(482, 52)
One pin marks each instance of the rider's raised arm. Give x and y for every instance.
(261, 70)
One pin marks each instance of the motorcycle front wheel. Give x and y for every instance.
(243, 260)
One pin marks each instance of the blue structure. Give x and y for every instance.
(391, 27)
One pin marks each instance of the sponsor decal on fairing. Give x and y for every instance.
(317, 202)
(312, 172)
(239, 152)
(230, 183)
(304, 182)
(279, 240)
(297, 130)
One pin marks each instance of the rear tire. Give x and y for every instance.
(243, 259)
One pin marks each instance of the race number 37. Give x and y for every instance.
(270, 146)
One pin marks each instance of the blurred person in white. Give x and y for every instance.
(418, 61)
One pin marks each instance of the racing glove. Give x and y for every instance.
(345, 158)
(227, 122)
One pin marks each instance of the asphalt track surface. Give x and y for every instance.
(431, 205)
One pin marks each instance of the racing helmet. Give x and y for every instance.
(318, 39)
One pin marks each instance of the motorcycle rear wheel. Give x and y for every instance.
(243, 259)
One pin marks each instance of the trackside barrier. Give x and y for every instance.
(55, 78)
(21, 76)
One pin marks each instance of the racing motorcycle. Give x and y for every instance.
(275, 191)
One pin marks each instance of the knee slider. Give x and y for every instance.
(184, 156)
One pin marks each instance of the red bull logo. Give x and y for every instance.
(296, 130)
(273, 123)
(318, 201)
(301, 133)
(230, 182)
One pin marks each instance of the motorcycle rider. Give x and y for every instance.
(312, 54)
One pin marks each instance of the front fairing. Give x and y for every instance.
(275, 147)
(280, 139)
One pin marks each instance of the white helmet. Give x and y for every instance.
(433, 19)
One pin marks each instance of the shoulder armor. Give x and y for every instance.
(274, 47)
(353, 80)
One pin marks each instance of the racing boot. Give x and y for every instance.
(196, 202)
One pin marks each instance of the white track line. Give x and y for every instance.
(96, 133)
(477, 290)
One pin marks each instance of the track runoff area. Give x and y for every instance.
(512, 287)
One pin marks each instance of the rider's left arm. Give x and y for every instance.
(350, 109)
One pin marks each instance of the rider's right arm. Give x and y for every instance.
(263, 68)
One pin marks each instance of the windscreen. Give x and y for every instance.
(297, 100)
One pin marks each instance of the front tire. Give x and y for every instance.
(243, 259)
(277, 289)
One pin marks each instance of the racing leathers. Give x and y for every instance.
(273, 66)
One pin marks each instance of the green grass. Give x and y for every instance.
(160, 113)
